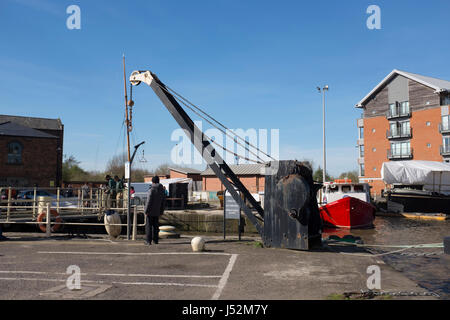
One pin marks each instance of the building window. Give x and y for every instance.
(15, 152)
(445, 123)
(374, 168)
(428, 145)
(404, 107)
(445, 100)
(373, 130)
(446, 144)
(399, 109)
(361, 132)
(399, 149)
(374, 149)
(400, 129)
(428, 123)
(361, 169)
(361, 151)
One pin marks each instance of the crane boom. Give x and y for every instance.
(203, 145)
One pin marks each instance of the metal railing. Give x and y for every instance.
(445, 150)
(444, 128)
(399, 134)
(403, 154)
(17, 208)
(397, 114)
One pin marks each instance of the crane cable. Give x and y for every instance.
(220, 146)
(219, 123)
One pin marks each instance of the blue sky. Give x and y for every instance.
(251, 64)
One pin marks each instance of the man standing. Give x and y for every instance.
(110, 192)
(153, 209)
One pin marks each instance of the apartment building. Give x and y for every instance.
(405, 117)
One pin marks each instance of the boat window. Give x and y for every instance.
(359, 188)
(346, 189)
(333, 188)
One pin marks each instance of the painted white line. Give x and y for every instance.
(135, 253)
(117, 282)
(168, 284)
(223, 281)
(118, 274)
(156, 275)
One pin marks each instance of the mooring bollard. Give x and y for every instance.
(447, 245)
(48, 230)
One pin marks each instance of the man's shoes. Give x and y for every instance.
(155, 242)
(147, 243)
(3, 238)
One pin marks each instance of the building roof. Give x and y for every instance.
(35, 123)
(438, 85)
(186, 170)
(240, 169)
(13, 129)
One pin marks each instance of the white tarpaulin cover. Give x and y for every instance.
(433, 175)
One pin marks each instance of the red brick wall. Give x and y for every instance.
(176, 174)
(421, 136)
(375, 150)
(254, 184)
(39, 161)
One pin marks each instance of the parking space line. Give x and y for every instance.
(118, 274)
(226, 274)
(135, 253)
(118, 282)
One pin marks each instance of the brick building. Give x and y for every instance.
(28, 156)
(193, 174)
(249, 174)
(31, 151)
(405, 117)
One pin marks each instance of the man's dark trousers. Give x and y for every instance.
(152, 229)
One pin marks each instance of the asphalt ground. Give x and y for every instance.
(35, 267)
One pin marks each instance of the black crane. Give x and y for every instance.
(290, 218)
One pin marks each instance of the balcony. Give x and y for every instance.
(397, 114)
(402, 154)
(445, 150)
(444, 128)
(399, 134)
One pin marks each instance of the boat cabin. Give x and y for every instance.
(340, 188)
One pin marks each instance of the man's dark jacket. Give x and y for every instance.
(155, 201)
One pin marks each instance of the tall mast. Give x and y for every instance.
(126, 109)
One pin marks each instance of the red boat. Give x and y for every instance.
(348, 212)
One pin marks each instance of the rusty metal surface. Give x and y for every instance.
(291, 218)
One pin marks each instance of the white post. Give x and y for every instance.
(34, 202)
(134, 223)
(9, 203)
(58, 199)
(49, 221)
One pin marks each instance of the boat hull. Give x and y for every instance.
(348, 213)
(416, 202)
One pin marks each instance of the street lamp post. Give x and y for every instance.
(325, 88)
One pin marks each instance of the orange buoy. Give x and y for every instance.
(43, 215)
